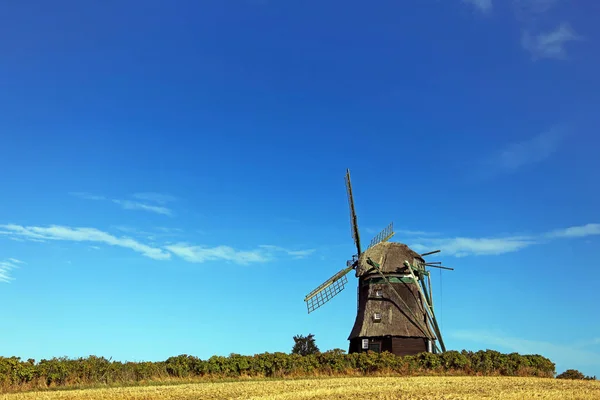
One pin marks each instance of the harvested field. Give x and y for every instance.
(507, 388)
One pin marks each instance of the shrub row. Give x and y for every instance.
(574, 374)
(16, 374)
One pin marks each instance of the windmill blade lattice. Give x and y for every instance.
(353, 219)
(327, 290)
(383, 236)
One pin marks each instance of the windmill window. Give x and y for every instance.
(376, 347)
(379, 293)
(377, 316)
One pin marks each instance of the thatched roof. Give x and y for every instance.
(396, 319)
(390, 255)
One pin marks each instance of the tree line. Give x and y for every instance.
(17, 374)
(304, 360)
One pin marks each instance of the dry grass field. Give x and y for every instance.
(507, 388)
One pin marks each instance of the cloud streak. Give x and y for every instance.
(415, 233)
(93, 235)
(188, 252)
(530, 151)
(6, 266)
(202, 254)
(483, 6)
(264, 253)
(527, 9)
(154, 197)
(294, 253)
(134, 205)
(158, 208)
(87, 196)
(576, 231)
(465, 246)
(534, 18)
(549, 44)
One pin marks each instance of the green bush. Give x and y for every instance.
(453, 360)
(574, 374)
(16, 374)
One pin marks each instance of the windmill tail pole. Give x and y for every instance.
(433, 318)
(428, 309)
(439, 266)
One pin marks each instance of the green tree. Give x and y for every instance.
(574, 374)
(305, 345)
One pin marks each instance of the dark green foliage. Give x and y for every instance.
(453, 360)
(305, 345)
(16, 374)
(574, 374)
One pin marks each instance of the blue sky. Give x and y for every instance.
(172, 173)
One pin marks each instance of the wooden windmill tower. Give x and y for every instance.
(395, 308)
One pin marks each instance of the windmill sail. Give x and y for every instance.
(383, 236)
(353, 219)
(327, 290)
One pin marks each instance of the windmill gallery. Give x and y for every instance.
(395, 308)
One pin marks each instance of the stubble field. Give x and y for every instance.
(507, 388)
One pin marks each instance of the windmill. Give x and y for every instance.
(395, 308)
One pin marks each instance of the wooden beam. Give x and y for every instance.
(429, 308)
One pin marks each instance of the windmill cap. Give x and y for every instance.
(392, 257)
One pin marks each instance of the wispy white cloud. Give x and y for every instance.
(483, 6)
(465, 246)
(530, 151)
(532, 7)
(56, 232)
(415, 233)
(87, 196)
(202, 254)
(294, 253)
(6, 266)
(186, 251)
(264, 253)
(134, 205)
(535, 18)
(549, 44)
(576, 231)
(520, 154)
(160, 198)
(169, 231)
(152, 234)
(566, 355)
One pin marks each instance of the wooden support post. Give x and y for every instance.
(429, 309)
